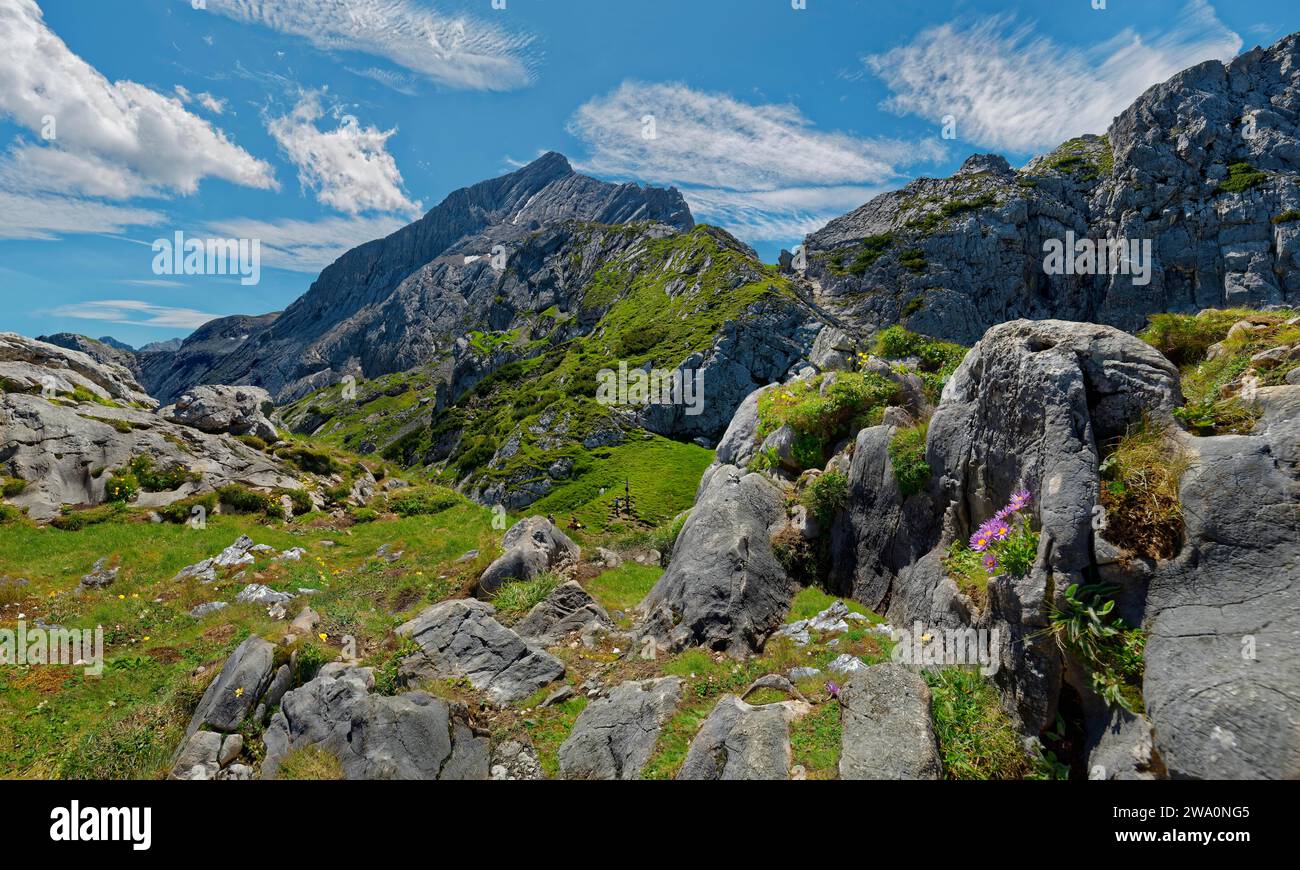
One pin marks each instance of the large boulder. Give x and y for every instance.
(1222, 684)
(1027, 409)
(411, 737)
(237, 688)
(217, 409)
(615, 735)
(460, 638)
(739, 741)
(886, 728)
(532, 546)
(724, 588)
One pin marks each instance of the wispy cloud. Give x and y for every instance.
(102, 138)
(348, 167)
(307, 246)
(755, 169)
(458, 51)
(1012, 88)
(134, 312)
(44, 216)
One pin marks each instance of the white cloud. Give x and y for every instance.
(307, 246)
(111, 139)
(762, 171)
(1012, 88)
(134, 312)
(26, 216)
(212, 103)
(348, 167)
(458, 51)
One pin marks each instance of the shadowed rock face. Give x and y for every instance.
(169, 373)
(1155, 176)
(378, 308)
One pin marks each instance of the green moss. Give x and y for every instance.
(938, 359)
(931, 221)
(1242, 177)
(907, 456)
(1287, 216)
(12, 486)
(913, 260)
(825, 409)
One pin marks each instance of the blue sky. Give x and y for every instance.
(315, 125)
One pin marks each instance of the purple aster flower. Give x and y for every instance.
(983, 537)
(1019, 500)
(990, 564)
(832, 688)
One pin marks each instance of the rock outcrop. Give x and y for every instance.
(221, 409)
(459, 638)
(886, 728)
(724, 588)
(1222, 683)
(567, 610)
(412, 736)
(739, 741)
(615, 735)
(66, 419)
(1197, 167)
(531, 546)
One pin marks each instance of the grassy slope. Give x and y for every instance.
(56, 721)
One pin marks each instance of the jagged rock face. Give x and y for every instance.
(366, 313)
(1222, 683)
(59, 451)
(169, 373)
(232, 410)
(34, 366)
(615, 735)
(952, 257)
(724, 588)
(413, 736)
(749, 353)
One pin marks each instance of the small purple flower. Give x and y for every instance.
(990, 564)
(983, 537)
(832, 688)
(1019, 500)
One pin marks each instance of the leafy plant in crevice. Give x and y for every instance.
(1111, 651)
(1004, 544)
(823, 411)
(1139, 491)
(825, 495)
(907, 457)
